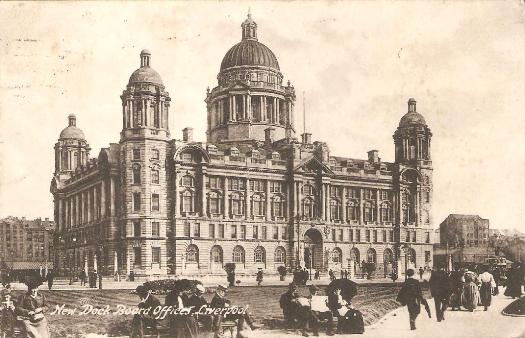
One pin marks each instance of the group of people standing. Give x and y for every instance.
(460, 288)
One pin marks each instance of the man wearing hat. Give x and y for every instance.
(145, 318)
(317, 315)
(259, 277)
(411, 296)
(197, 300)
(220, 301)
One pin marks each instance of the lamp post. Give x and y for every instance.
(74, 240)
(99, 265)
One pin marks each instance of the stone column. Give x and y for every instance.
(90, 205)
(71, 206)
(264, 114)
(66, 211)
(378, 200)
(416, 206)
(78, 215)
(300, 199)
(361, 205)
(103, 199)
(112, 211)
(230, 112)
(226, 208)
(249, 107)
(244, 107)
(248, 199)
(343, 204)
(322, 202)
(327, 202)
(203, 193)
(268, 202)
(234, 108)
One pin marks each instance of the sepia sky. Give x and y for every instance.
(358, 63)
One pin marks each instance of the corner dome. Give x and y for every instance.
(412, 118)
(249, 52)
(71, 131)
(145, 74)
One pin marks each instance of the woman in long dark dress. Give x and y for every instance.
(31, 307)
(514, 281)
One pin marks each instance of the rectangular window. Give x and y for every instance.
(256, 232)
(350, 235)
(340, 237)
(187, 157)
(211, 231)
(391, 232)
(155, 154)
(234, 231)
(243, 231)
(197, 230)
(367, 234)
(187, 232)
(375, 236)
(283, 232)
(264, 232)
(407, 239)
(333, 235)
(136, 228)
(427, 256)
(214, 183)
(358, 235)
(155, 176)
(221, 230)
(413, 236)
(155, 255)
(275, 232)
(136, 201)
(385, 239)
(155, 229)
(137, 256)
(155, 202)
(136, 154)
(427, 237)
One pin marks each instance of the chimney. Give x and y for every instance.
(373, 156)
(307, 138)
(269, 135)
(187, 134)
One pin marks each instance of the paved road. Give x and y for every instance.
(458, 324)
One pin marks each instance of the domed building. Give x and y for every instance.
(253, 194)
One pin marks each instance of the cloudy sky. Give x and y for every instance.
(358, 63)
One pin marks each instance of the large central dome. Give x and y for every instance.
(249, 52)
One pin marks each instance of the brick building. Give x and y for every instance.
(464, 230)
(26, 244)
(253, 193)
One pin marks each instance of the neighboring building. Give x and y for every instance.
(26, 244)
(464, 230)
(253, 194)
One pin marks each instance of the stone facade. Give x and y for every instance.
(253, 194)
(464, 230)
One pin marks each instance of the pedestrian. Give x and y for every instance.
(470, 294)
(50, 277)
(30, 309)
(259, 277)
(440, 291)
(346, 274)
(411, 296)
(7, 312)
(331, 274)
(514, 281)
(496, 273)
(421, 271)
(456, 286)
(145, 318)
(82, 277)
(487, 285)
(342, 274)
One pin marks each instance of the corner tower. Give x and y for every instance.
(249, 97)
(71, 149)
(144, 147)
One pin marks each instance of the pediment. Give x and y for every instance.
(238, 85)
(313, 165)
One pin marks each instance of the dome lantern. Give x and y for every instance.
(145, 74)
(249, 29)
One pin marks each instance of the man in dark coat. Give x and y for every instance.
(514, 282)
(289, 305)
(411, 296)
(145, 318)
(440, 290)
(219, 301)
(259, 277)
(50, 277)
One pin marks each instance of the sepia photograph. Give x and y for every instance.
(280, 169)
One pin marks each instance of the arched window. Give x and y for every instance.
(337, 255)
(388, 256)
(354, 255)
(280, 255)
(335, 209)
(352, 210)
(237, 204)
(238, 254)
(214, 203)
(136, 174)
(278, 206)
(259, 255)
(192, 254)
(216, 254)
(371, 256)
(386, 212)
(187, 201)
(258, 202)
(187, 181)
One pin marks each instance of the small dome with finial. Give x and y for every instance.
(145, 74)
(71, 131)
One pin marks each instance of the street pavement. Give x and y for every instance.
(457, 324)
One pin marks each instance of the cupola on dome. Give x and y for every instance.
(71, 131)
(145, 74)
(249, 52)
(412, 118)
